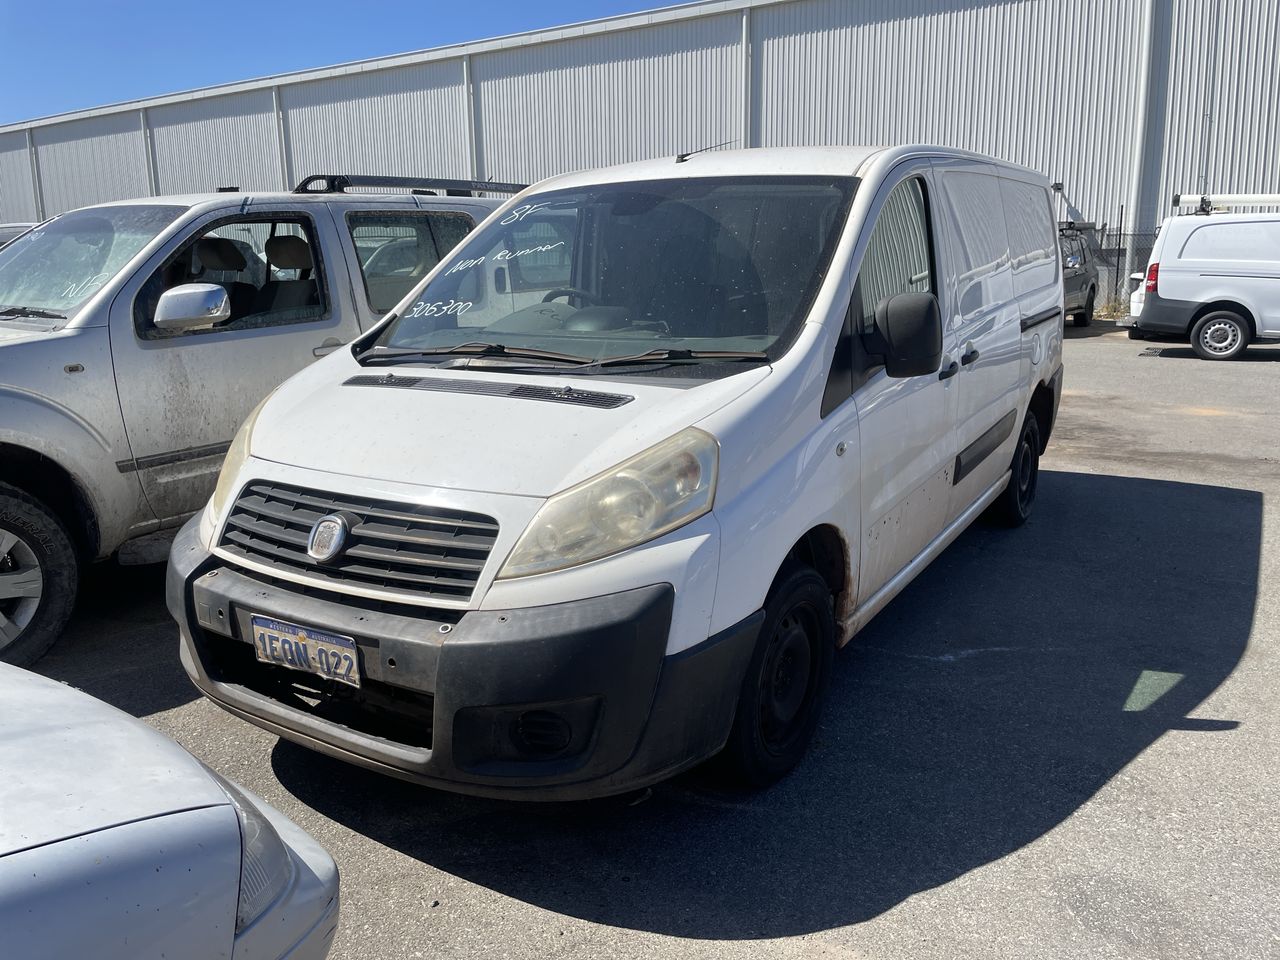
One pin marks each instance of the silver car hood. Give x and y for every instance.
(71, 765)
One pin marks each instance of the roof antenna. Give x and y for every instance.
(682, 157)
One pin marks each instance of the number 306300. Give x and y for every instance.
(439, 308)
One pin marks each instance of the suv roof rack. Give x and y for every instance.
(341, 182)
(1206, 202)
(1076, 226)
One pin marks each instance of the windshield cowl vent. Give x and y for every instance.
(520, 391)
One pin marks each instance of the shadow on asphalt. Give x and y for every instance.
(1007, 685)
(121, 645)
(1099, 328)
(1263, 354)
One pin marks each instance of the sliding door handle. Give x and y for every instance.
(946, 373)
(969, 356)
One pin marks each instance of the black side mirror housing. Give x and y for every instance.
(909, 331)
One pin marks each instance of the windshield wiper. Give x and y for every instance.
(476, 348)
(676, 355)
(36, 312)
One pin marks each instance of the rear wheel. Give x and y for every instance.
(1013, 507)
(38, 577)
(1084, 316)
(1220, 335)
(786, 681)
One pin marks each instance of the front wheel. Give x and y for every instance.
(1013, 507)
(39, 575)
(786, 681)
(1221, 335)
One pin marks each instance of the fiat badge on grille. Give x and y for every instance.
(327, 538)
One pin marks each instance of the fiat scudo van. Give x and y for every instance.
(601, 497)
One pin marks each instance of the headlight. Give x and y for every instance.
(237, 453)
(265, 865)
(653, 493)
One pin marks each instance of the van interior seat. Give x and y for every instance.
(220, 255)
(287, 252)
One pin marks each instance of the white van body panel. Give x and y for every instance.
(1230, 258)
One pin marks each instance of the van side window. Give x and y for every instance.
(899, 257)
(396, 250)
(975, 213)
(1033, 243)
(270, 268)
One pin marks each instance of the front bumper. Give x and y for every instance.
(563, 701)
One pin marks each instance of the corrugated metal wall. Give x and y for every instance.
(554, 107)
(1050, 84)
(17, 198)
(1054, 84)
(93, 160)
(219, 141)
(405, 121)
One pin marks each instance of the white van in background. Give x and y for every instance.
(601, 497)
(1215, 280)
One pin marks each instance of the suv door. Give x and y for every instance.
(906, 439)
(1074, 272)
(981, 311)
(184, 393)
(392, 250)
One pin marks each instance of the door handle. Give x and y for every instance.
(969, 356)
(950, 371)
(327, 347)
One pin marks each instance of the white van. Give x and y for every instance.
(1215, 280)
(600, 499)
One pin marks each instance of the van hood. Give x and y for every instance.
(462, 429)
(74, 765)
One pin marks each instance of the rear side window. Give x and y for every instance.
(898, 258)
(975, 211)
(1033, 237)
(1257, 240)
(396, 250)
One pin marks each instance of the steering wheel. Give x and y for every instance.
(578, 292)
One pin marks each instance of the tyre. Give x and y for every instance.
(786, 681)
(1013, 507)
(1220, 335)
(1084, 316)
(1136, 334)
(39, 574)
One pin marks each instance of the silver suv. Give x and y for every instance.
(135, 337)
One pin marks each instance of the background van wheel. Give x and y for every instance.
(786, 681)
(1220, 335)
(1013, 507)
(39, 575)
(1084, 316)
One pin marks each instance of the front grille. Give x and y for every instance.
(430, 552)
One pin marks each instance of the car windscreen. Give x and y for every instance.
(613, 270)
(51, 271)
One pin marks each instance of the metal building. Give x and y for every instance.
(1122, 101)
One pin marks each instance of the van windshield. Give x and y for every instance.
(51, 271)
(625, 269)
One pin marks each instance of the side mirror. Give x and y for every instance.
(1073, 261)
(909, 328)
(191, 306)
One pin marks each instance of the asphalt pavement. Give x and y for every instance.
(1059, 741)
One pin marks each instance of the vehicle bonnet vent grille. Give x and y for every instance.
(520, 391)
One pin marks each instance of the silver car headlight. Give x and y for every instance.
(653, 493)
(266, 869)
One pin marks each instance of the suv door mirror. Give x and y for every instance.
(909, 328)
(192, 305)
(1073, 261)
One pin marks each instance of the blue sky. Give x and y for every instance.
(61, 55)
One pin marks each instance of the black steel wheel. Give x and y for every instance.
(782, 693)
(1013, 507)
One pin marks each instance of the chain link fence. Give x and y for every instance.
(1118, 255)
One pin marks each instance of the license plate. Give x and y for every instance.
(289, 645)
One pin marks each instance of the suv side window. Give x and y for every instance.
(899, 257)
(270, 267)
(396, 250)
